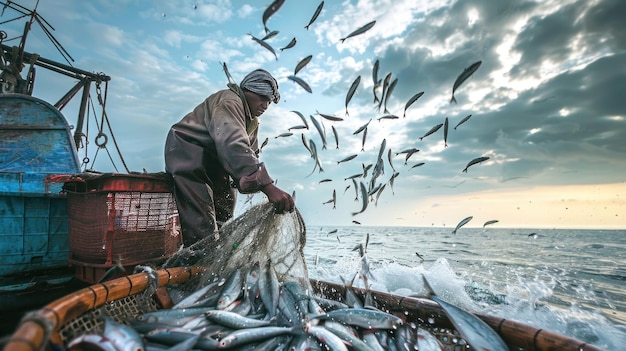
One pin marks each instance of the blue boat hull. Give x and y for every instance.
(35, 143)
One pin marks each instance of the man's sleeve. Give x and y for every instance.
(234, 152)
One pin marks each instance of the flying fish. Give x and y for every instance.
(412, 100)
(432, 130)
(291, 44)
(463, 222)
(475, 161)
(351, 91)
(265, 45)
(467, 72)
(463, 121)
(301, 83)
(314, 17)
(360, 30)
(270, 10)
(302, 63)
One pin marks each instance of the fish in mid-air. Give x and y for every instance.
(490, 222)
(301, 83)
(412, 100)
(351, 91)
(270, 10)
(301, 64)
(361, 30)
(467, 72)
(265, 45)
(463, 121)
(291, 44)
(475, 161)
(463, 222)
(314, 17)
(432, 130)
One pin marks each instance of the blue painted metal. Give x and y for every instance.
(35, 142)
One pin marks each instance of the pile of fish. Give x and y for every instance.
(254, 311)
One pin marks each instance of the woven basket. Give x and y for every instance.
(80, 312)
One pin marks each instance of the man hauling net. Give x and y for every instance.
(210, 152)
(215, 148)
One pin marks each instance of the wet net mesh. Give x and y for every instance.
(255, 236)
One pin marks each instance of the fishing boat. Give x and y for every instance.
(123, 298)
(40, 260)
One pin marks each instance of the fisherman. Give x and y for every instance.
(213, 151)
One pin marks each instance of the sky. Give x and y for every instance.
(547, 102)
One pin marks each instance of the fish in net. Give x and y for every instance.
(257, 236)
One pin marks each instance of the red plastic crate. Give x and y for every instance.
(127, 217)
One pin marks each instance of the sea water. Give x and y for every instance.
(568, 281)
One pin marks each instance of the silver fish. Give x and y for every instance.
(391, 180)
(318, 10)
(432, 130)
(351, 91)
(302, 118)
(231, 290)
(269, 288)
(327, 337)
(291, 44)
(347, 158)
(234, 320)
(463, 121)
(305, 61)
(271, 10)
(462, 223)
(364, 199)
(122, 336)
(245, 336)
(490, 222)
(282, 135)
(389, 153)
(301, 83)
(300, 126)
(392, 86)
(306, 144)
(270, 35)
(264, 143)
(330, 117)
(467, 72)
(363, 141)
(336, 137)
(360, 30)
(417, 165)
(412, 100)
(473, 329)
(362, 128)
(325, 180)
(445, 132)
(475, 161)
(381, 150)
(375, 69)
(387, 117)
(318, 126)
(364, 318)
(385, 85)
(264, 44)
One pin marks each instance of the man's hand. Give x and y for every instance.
(282, 201)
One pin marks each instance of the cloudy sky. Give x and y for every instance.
(547, 103)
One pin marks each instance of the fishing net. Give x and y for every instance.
(256, 236)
